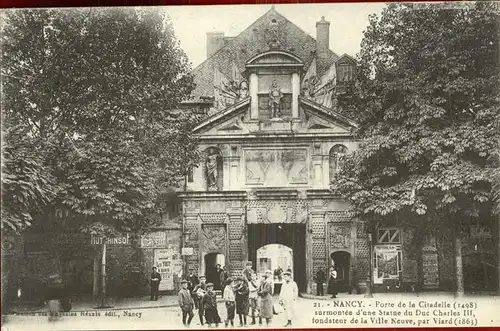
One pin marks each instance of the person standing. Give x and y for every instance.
(54, 294)
(223, 277)
(216, 278)
(209, 303)
(193, 281)
(320, 280)
(229, 300)
(266, 300)
(253, 287)
(186, 303)
(288, 296)
(247, 272)
(155, 284)
(241, 294)
(332, 282)
(199, 292)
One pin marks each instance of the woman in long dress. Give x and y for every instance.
(332, 282)
(266, 299)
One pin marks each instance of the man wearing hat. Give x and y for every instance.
(288, 296)
(186, 303)
(247, 272)
(266, 300)
(198, 292)
(209, 303)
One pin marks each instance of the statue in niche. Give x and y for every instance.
(275, 97)
(243, 91)
(212, 172)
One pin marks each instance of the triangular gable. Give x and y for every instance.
(318, 126)
(231, 126)
(253, 41)
(223, 115)
(327, 114)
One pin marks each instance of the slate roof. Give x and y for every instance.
(254, 40)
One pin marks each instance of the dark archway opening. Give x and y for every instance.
(291, 235)
(211, 273)
(342, 262)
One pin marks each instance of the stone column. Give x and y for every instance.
(295, 94)
(315, 237)
(318, 172)
(234, 170)
(192, 224)
(236, 242)
(254, 89)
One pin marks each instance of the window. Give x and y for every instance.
(389, 236)
(345, 72)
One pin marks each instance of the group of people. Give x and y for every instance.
(245, 295)
(332, 282)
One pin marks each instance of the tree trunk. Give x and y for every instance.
(103, 276)
(498, 254)
(95, 285)
(459, 275)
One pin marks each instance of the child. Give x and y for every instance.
(229, 299)
(242, 293)
(186, 303)
(209, 303)
(253, 286)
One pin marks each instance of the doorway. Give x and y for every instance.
(211, 261)
(274, 257)
(342, 261)
(291, 239)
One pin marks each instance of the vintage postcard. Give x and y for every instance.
(255, 166)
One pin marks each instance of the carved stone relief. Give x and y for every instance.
(214, 238)
(276, 168)
(340, 235)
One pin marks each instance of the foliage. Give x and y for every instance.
(97, 91)
(26, 182)
(426, 97)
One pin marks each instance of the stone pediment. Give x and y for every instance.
(314, 120)
(274, 58)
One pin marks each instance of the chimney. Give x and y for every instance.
(215, 41)
(322, 37)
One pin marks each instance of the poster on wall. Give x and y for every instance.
(386, 263)
(430, 266)
(169, 265)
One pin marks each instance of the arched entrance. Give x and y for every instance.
(274, 256)
(342, 261)
(290, 238)
(210, 261)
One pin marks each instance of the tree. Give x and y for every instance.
(426, 97)
(95, 92)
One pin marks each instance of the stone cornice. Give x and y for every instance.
(275, 193)
(209, 195)
(322, 193)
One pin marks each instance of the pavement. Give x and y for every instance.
(140, 313)
(89, 304)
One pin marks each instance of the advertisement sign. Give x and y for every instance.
(387, 263)
(154, 240)
(168, 262)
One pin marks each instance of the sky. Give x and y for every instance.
(347, 23)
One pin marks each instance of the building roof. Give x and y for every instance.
(254, 40)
